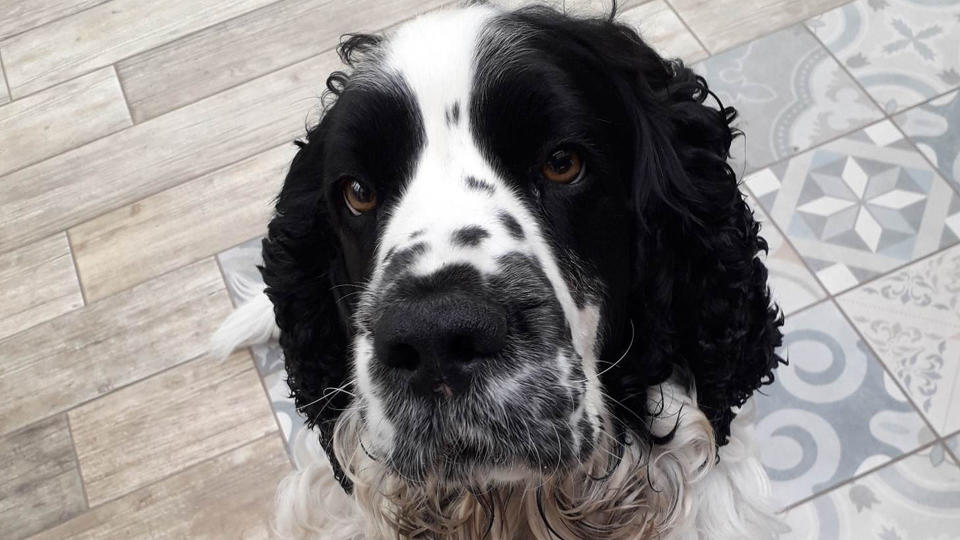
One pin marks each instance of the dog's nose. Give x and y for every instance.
(437, 339)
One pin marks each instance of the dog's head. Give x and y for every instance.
(505, 229)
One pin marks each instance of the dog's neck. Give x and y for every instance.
(650, 491)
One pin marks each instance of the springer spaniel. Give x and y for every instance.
(518, 291)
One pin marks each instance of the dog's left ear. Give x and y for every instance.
(700, 293)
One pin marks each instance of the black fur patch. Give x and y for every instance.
(512, 225)
(476, 184)
(469, 236)
(453, 114)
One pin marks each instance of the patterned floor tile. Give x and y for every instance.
(290, 420)
(833, 412)
(912, 319)
(935, 128)
(860, 205)
(791, 95)
(793, 286)
(901, 51)
(239, 266)
(915, 498)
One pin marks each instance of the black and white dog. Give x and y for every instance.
(518, 291)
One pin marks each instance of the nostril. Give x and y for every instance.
(403, 356)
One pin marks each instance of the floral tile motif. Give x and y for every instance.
(859, 206)
(902, 51)
(915, 498)
(239, 266)
(792, 286)
(911, 318)
(935, 128)
(833, 412)
(790, 93)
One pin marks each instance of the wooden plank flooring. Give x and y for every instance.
(137, 140)
(39, 481)
(37, 283)
(166, 423)
(57, 119)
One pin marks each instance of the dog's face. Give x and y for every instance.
(482, 207)
(476, 210)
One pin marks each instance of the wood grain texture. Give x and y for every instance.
(39, 482)
(722, 24)
(121, 339)
(659, 26)
(37, 283)
(196, 219)
(102, 35)
(60, 118)
(230, 496)
(164, 424)
(244, 48)
(121, 168)
(21, 15)
(595, 8)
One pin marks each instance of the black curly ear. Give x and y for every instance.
(700, 292)
(301, 264)
(701, 287)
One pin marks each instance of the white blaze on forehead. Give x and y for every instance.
(436, 56)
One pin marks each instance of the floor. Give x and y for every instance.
(141, 143)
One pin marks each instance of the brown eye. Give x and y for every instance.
(562, 166)
(359, 198)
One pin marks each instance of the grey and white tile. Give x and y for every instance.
(792, 285)
(935, 128)
(290, 420)
(833, 412)
(902, 51)
(239, 265)
(859, 206)
(911, 318)
(917, 497)
(791, 95)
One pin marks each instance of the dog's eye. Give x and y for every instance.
(563, 166)
(359, 198)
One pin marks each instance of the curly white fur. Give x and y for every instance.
(675, 491)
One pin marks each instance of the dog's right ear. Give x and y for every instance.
(302, 260)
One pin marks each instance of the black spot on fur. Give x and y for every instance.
(512, 225)
(416, 234)
(469, 236)
(476, 184)
(453, 114)
(403, 259)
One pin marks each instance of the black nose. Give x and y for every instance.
(438, 339)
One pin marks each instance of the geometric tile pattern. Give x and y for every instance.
(902, 51)
(833, 412)
(790, 94)
(911, 318)
(859, 206)
(915, 498)
(935, 128)
(792, 286)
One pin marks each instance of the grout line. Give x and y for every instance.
(184, 470)
(256, 369)
(51, 21)
(859, 476)
(888, 371)
(3, 74)
(76, 271)
(689, 29)
(123, 93)
(76, 457)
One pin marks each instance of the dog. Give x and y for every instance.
(518, 291)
